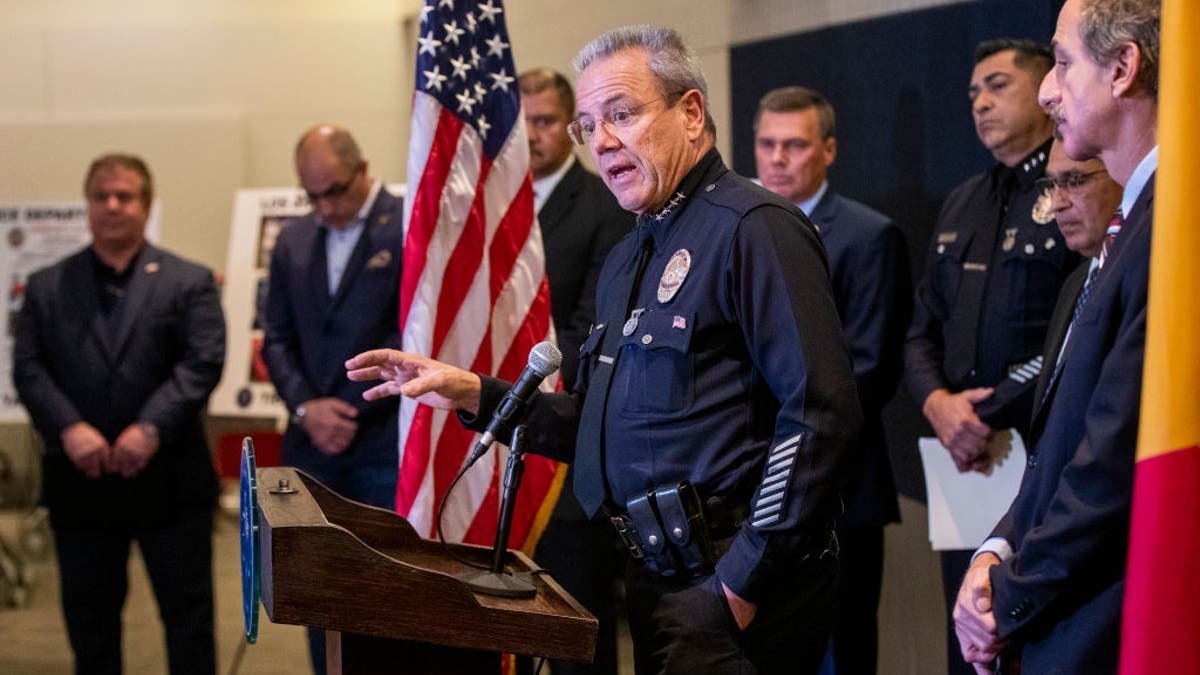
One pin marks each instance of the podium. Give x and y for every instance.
(389, 601)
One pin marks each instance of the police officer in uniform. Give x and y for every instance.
(715, 405)
(996, 262)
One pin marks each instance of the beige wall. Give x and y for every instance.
(213, 93)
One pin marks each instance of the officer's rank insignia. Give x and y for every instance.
(1043, 210)
(1010, 238)
(674, 274)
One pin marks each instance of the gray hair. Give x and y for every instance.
(1106, 26)
(674, 63)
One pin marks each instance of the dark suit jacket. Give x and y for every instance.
(159, 367)
(581, 221)
(872, 285)
(309, 334)
(1060, 594)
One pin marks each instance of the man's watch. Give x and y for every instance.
(298, 416)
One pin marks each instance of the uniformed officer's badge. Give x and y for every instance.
(379, 260)
(1043, 210)
(674, 274)
(1010, 238)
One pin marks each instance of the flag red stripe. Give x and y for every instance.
(1161, 622)
(483, 523)
(510, 239)
(452, 448)
(426, 207)
(539, 472)
(463, 262)
(414, 457)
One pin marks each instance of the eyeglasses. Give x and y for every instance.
(336, 190)
(618, 117)
(1068, 182)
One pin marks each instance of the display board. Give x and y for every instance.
(37, 235)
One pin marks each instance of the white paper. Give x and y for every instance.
(965, 507)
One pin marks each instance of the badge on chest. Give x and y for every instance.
(674, 275)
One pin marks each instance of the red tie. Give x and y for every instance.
(1110, 235)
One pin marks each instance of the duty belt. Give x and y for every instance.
(673, 533)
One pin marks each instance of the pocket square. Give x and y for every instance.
(380, 260)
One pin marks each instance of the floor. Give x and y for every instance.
(33, 640)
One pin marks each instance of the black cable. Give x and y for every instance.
(441, 536)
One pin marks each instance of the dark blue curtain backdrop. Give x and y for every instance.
(904, 128)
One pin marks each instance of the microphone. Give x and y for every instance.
(544, 359)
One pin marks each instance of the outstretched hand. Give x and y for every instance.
(436, 384)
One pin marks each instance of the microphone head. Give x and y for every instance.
(545, 358)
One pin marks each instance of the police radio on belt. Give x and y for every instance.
(544, 359)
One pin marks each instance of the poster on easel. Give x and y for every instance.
(37, 235)
(259, 215)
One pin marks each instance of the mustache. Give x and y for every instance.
(1054, 111)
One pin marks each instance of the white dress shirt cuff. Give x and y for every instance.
(996, 545)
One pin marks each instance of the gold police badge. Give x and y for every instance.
(674, 274)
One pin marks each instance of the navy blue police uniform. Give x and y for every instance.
(980, 316)
(717, 375)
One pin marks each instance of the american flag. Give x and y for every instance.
(473, 291)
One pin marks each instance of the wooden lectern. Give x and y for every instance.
(389, 601)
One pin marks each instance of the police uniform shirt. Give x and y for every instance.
(1027, 265)
(731, 373)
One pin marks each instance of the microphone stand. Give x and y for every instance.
(495, 581)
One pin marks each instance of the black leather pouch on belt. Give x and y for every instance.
(669, 527)
(656, 553)
(682, 516)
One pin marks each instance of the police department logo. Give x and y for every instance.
(1043, 210)
(674, 275)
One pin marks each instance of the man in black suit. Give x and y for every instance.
(795, 143)
(333, 291)
(117, 349)
(580, 222)
(1047, 588)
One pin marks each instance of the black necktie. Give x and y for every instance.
(591, 484)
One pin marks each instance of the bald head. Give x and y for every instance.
(333, 172)
(330, 138)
